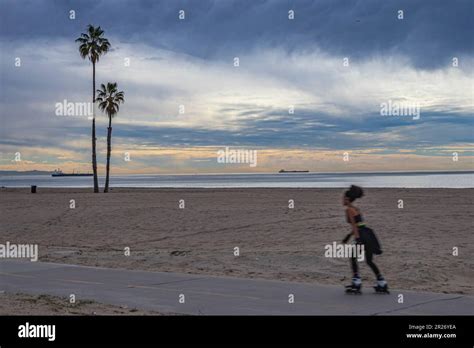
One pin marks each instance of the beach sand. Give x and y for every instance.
(24, 304)
(274, 242)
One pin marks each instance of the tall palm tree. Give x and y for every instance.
(109, 99)
(92, 45)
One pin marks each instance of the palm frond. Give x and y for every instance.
(109, 98)
(92, 43)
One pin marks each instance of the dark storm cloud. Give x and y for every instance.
(429, 36)
(314, 130)
(431, 33)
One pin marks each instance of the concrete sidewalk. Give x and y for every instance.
(207, 295)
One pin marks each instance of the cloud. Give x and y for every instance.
(283, 64)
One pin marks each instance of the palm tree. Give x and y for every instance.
(92, 45)
(109, 100)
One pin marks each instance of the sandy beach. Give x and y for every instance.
(274, 242)
(24, 304)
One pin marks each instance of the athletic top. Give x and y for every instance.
(357, 218)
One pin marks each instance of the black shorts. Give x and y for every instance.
(370, 241)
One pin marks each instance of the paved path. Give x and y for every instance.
(209, 295)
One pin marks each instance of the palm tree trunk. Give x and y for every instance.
(94, 151)
(109, 150)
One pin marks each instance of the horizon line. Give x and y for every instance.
(273, 172)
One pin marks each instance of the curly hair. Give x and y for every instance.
(354, 192)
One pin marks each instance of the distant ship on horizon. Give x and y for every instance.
(293, 171)
(59, 172)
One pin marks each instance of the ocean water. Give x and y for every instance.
(295, 180)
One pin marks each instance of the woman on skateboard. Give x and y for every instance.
(365, 236)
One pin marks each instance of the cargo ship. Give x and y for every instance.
(293, 171)
(59, 172)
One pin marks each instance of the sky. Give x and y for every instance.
(307, 92)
